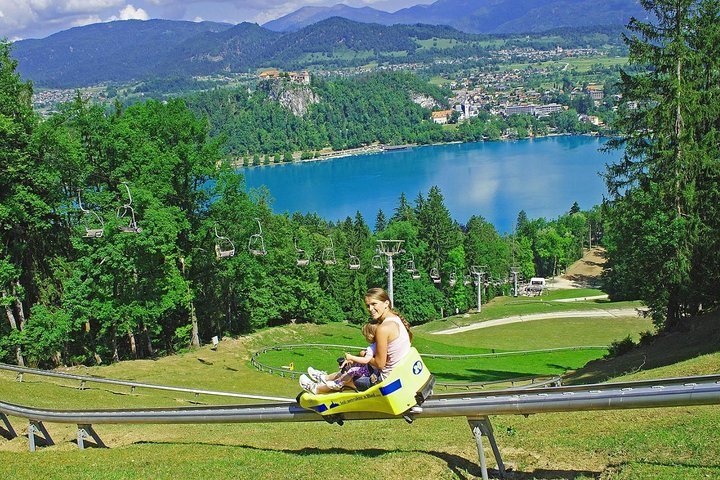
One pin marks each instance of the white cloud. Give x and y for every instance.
(132, 13)
(82, 21)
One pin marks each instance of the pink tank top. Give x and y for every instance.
(398, 348)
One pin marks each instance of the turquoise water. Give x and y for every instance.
(493, 179)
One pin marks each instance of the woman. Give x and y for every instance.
(392, 337)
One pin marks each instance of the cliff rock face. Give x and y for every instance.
(294, 97)
(424, 101)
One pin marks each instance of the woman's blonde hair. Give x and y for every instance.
(381, 295)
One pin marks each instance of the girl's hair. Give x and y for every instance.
(381, 295)
(368, 331)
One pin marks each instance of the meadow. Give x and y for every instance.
(652, 443)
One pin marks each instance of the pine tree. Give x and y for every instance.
(669, 170)
(380, 222)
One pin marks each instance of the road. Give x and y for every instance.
(619, 312)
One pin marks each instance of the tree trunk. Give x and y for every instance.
(133, 347)
(115, 357)
(13, 326)
(88, 330)
(195, 341)
(149, 340)
(19, 306)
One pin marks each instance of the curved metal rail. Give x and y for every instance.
(86, 378)
(686, 391)
(476, 407)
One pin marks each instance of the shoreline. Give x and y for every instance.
(380, 148)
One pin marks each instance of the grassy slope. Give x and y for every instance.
(655, 443)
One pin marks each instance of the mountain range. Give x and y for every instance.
(128, 50)
(477, 16)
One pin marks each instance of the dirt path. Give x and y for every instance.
(619, 312)
(584, 273)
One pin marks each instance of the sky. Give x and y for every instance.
(21, 19)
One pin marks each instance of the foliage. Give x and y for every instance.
(621, 347)
(663, 229)
(189, 272)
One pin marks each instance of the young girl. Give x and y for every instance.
(352, 368)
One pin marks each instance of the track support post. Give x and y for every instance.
(7, 431)
(85, 432)
(481, 426)
(34, 428)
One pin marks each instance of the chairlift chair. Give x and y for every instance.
(410, 264)
(354, 263)
(91, 221)
(328, 255)
(467, 280)
(377, 261)
(435, 275)
(415, 274)
(256, 243)
(224, 247)
(453, 279)
(127, 211)
(302, 257)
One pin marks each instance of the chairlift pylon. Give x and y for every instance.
(256, 243)
(224, 247)
(91, 227)
(128, 211)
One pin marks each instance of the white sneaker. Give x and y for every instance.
(317, 375)
(307, 384)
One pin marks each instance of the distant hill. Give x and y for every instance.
(308, 15)
(105, 51)
(131, 50)
(478, 16)
(134, 50)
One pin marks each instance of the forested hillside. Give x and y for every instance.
(92, 271)
(132, 50)
(351, 113)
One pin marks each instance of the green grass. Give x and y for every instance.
(670, 443)
(581, 65)
(439, 81)
(441, 43)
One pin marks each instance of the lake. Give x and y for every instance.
(495, 180)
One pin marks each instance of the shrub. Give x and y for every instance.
(621, 347)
